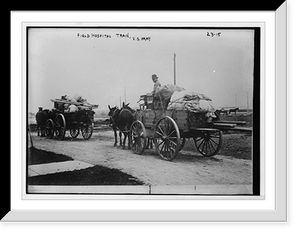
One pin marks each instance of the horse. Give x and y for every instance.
(121, 120)
(218, 112)
(233, 110)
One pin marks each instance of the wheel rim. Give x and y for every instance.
(74, 132)
(60, 126)
(209, 142)
(138, 137)
(167, 138)
(49, 129)
(87, 130)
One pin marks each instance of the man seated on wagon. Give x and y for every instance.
(149, 97)
(161, 95)
(157, 84)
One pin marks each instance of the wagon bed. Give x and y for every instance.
(84, 105)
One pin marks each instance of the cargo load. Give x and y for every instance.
(166, 91)
(72, 104)
(191, 101)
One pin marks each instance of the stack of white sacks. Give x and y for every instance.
(76, 99)
(191, 101)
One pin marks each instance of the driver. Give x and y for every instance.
(157, 84)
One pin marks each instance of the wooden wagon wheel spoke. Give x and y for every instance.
(167, 127)
(87, 130)
(134, 135)
(170, 135)
(74, 132)
(49, 128)
(60, 126)
(202, 149)
(214, 136)
(160, 143)
(138, 137)
(198, 140)
(214, 141)
(167, 138)
(214, 149)
(163, 147)
(134, 129)
(161, 133)
(173, 145)
(215, 146)
(207, 147)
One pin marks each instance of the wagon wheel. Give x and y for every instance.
(60, 122)
(167, 138)
(209, 142)
(74, 132)
(137, 135)
(49, 129)
(87, 130)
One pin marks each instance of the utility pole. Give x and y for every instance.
(174, 69)
(235, 100)
(247, 103)
(125, 94)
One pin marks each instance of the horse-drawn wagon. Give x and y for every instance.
(169, 126)
(60, 119)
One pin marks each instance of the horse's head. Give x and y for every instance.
(126, 106)
(113, 112)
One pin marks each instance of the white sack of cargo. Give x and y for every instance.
(191, 101)
(166, 91)
(78, 98)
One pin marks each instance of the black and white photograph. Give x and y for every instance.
(143, 110)
(133, 117)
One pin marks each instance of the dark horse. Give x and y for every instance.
(41, 118)
(121, 120)
(233, 110)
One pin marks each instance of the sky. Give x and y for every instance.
(105, 65)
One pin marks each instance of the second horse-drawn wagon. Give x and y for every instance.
(169, 122)
(70, 115)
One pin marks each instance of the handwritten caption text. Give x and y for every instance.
(116, 35)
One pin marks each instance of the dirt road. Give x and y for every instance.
(189, 168)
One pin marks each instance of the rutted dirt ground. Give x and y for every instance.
(189, 168)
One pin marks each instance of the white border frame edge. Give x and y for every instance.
(279, 214)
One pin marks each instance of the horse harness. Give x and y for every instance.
(114, 123)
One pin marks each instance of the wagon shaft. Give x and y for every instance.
(224, 125)
(232, 126)
(242, 123)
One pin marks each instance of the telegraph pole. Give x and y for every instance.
(235, 100)
(125, 94)
(174, 69)
(247, 103)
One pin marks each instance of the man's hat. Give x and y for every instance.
(154, 76)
